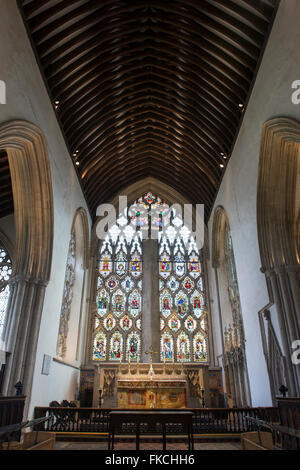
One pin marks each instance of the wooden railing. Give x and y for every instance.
(11, 410)
(284, 438)
(205, 421)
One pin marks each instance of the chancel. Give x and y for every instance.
(149, 220)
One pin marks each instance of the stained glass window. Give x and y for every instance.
(5, 274)
(183, 324)
(183, 307)
(119, 295)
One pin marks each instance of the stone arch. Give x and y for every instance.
(133, 192)
(73, 297)
(278, 226)
(230, 315)
(81, 214)
(26, 148)
(219, 221)
(162, 190)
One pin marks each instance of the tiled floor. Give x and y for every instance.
(62, 445)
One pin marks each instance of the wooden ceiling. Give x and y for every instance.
(149, 88)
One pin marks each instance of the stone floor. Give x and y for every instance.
(64, 445)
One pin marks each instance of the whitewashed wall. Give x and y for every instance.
(27, 99)
(271, 97)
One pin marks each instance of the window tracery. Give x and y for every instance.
(5, 274)
(182, 302)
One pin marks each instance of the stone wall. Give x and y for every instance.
(271, 97)
(27, 99)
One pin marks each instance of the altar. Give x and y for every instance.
(144, 393)
(152, 386)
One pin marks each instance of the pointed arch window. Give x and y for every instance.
(181, 288)
(119, 294)
(183, 307)
(5, 275)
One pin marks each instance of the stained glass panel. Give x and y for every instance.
(179, 266)
(181, 303)
(200, 348)
(134, 306)
(166, 347)
(190, 323)
(133, 346)
(127, 284)
(116, 346)
(197, 301)
(166, 303)
(120, 265)
(105, 265)
(102, 302)
(118, 302)
(111, 283)
(174, 323)
(188, 284)
(99, 350)
(183, 348)
(126, 323)
(194, 267)
(173, 284)
(109, 323)
(165, 267)
(135, 266)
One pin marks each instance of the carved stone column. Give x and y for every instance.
(25, 311)
(33, 201)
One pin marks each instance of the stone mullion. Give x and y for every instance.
(150, 311)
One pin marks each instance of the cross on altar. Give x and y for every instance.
(151, 352)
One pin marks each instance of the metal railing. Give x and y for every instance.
(13, 431)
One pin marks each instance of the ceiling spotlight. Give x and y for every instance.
(77, 163)
(56, 104)
(222, 154)
(241, 105)
(221, 165)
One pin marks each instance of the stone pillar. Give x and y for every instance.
(24, 313)
(284, 330)
(150, 311)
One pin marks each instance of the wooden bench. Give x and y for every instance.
(140, 422)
